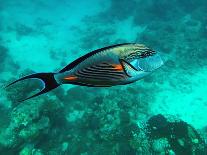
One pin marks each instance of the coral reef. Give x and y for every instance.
(168, 135)
(106, 121)
(99, 119)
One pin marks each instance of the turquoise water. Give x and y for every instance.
(164, 113)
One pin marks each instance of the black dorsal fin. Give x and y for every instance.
(82, 58)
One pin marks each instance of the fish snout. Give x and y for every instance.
(151, 63)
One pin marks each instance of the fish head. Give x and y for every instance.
(148, 63)
(142, 65)
(141, 57)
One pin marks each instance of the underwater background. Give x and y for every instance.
(164, 113)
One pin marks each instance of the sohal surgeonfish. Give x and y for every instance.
(109, 66)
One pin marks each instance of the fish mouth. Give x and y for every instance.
(162, 61)
(164, 57)
(157, 61)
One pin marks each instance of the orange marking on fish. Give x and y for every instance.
(118, 67)
(71, 78)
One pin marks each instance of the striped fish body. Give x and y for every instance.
(109, 66)
(106, 67)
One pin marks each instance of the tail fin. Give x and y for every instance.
(47, 79)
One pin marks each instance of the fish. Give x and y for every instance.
(118, 64)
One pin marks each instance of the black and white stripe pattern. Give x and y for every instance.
(140, 53)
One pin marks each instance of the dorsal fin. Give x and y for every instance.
(82, 58)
